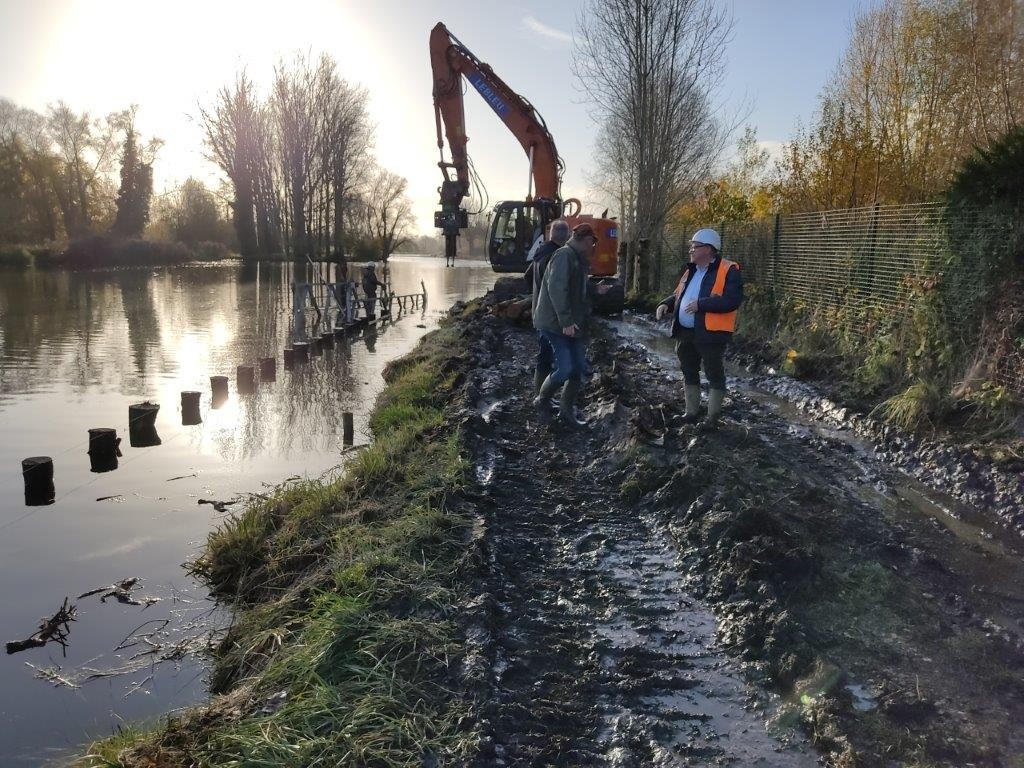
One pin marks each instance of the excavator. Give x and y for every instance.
(515, 225)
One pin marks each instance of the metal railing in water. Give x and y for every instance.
(339, 305)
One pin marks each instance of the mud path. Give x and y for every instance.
(641, 575)
(598, 654)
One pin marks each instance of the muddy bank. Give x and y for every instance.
(964, 474)
(886, 637)
(994, 488)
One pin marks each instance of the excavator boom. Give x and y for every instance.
(516, 226)
(451, 61)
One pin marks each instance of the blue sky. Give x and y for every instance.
(169, 56)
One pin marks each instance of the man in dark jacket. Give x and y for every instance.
(558, 233)
(370, 284)
(563, 314)
(703, 309)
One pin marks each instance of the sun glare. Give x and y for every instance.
(169, 58)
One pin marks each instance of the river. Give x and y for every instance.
(76, 349)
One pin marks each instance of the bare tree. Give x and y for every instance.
(231, 128)
(388, 212)
(85, 151)
(296, 161)
(349, 138)
(650, 69)
(293, 105)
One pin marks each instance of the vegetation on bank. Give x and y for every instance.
(106, 251)
(344, 595)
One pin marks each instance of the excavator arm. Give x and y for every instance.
(451, 61)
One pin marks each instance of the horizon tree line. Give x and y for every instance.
(299, 162)
(301, 179)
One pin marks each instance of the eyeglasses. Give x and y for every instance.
(695, 246)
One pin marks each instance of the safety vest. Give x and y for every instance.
(715, 321)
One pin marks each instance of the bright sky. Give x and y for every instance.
(168, 57)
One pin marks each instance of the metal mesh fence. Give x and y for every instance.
(866, 270)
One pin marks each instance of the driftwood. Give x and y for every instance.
(220, 506)
(56, 628)
(122, 592)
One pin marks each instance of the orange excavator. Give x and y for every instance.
(515, 224)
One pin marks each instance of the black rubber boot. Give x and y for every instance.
(567, 406)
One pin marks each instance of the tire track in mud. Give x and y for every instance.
(597, 654)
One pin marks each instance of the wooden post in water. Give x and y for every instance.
(103, 449)
(289, 358)
(37, 472)
(143, 414)
(315, 347)
(190, 414)
(347, 428)
(301, 350)
(268, 369)
(219, 387)
(327, 340)
(142, 425)
(245, 379)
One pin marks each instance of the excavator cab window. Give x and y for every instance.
(514, 228)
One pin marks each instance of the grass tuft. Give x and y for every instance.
(922, 405)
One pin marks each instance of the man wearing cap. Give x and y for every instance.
(562, 314)
(558, 233)
(703, 308)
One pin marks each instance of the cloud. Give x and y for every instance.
(549, 32)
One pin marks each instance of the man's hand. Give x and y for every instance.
(691, 307)
(570, 330)
(660, 312)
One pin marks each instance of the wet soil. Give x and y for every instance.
(767, 593)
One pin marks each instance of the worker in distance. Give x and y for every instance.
(704, 308)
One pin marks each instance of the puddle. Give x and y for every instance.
(863, 699)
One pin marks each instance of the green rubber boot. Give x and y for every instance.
(715, 398)
(542, 402)
(539, 375)
(691, 393)
(567, 405)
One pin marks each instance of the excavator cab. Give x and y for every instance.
(515, 226)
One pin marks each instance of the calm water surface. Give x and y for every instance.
(76, 348)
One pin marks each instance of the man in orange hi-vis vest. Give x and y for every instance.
(703, 309)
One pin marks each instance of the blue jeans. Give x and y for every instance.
(570, 356)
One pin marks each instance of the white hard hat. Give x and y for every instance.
(708, 237)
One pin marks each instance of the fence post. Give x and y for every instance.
(869, 259)
(775, 254)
